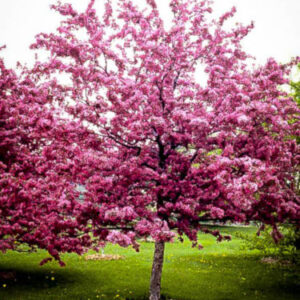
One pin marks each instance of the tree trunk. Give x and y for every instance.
(157, 265)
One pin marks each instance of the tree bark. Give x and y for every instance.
(157, 266)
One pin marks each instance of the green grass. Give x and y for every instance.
(219, 271)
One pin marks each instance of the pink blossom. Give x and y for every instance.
(217, 213)
(116, 237)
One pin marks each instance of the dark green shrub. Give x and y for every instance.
(285, 248)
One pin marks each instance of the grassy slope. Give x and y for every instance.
(219, 271)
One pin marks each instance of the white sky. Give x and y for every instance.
(276, 33)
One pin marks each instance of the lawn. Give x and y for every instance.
(219, 271)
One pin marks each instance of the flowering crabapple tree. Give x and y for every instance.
(159, 152)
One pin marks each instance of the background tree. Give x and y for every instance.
(158, 152)
(296, 89)
(296, 94)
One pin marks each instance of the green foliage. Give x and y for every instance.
(296, 89)
(284, 249)
(215, 152)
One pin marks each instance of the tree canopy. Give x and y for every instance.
(157, 151)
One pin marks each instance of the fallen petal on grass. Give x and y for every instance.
(104, 257)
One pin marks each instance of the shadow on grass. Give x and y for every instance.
(37, 278)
